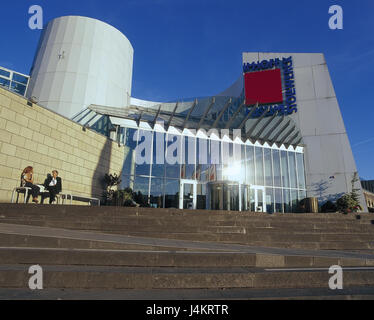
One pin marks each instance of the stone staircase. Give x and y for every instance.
(160, 250)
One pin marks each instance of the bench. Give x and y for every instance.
(66, 195)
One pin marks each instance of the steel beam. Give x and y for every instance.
(253, 127)
(264, 126)
(171, 117)
(189, 113)
(206, 112)
(234, 115)
(247, 116)
(221, 113)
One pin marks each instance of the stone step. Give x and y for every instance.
(323, 293)
(158, 258)
(105, 277)
(215, 214)
(30, 241)
(144, 225)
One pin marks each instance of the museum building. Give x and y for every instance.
(272, 139)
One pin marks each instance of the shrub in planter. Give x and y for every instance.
(347, 204)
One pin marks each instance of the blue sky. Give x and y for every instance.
(186, 48)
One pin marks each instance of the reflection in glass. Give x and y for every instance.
(143, 154)
(269, 200)
(284, 162)
(278, 200)
(127, 182)
(18, 88)
(294, 202)
(292, 162)
(188, 195)
(300, 170)
(19, 78)
(4, 82)
(130, 138)
(201, 196)
(141, 187)
(259, 166)
(158, 158)
(157, 191)
(173, 156)
(189, 158)
(4, 73)
(171, 193)
(268, 167)
(286, 201)
(250, 165)
(276, 168)
(202, 169)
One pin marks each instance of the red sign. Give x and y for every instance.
(263, 87)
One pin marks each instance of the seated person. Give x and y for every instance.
(27, 180)
(53, 185)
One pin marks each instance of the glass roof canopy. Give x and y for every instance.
(220, 112)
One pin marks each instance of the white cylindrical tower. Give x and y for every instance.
(81, 61)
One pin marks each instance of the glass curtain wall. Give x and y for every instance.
(155, 162)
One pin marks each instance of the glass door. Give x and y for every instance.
(258, 199)
(187, 194)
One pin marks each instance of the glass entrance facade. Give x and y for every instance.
(228, 174)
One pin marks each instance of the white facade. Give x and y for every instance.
(81, 61)
(329, 161)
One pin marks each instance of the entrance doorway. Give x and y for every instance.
(224, 195)
(253, 198)
(187, 194)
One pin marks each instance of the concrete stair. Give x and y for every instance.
(104, 248)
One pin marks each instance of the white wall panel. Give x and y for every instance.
(96, 66)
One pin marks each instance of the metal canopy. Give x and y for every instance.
(206, 113)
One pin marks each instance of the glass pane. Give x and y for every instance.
(157, 192)
(141, 185)
(278, 200)
(215, 159)
(268, 167)
(250, 165)
(5, 83)
(269, 200)
(189, 158)
(18, 88)
(284, 161)
(300, 170)
(188, 196)
(171, 193)
(216, 196)
(292, 162)
(230, 197)
(286, 201)
(294, 202)
(260, 201)
(4, 73)
(201, 196)
(252, 199)
(127, 182)
(202, 160)
(173, 156)
(130, 137)
(276, 168)
(143, 153)
(259, 166)
(19, 78)
(158, 159)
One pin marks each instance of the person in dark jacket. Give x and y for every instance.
(53, 185)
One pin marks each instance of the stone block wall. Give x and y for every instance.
(35, 136)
